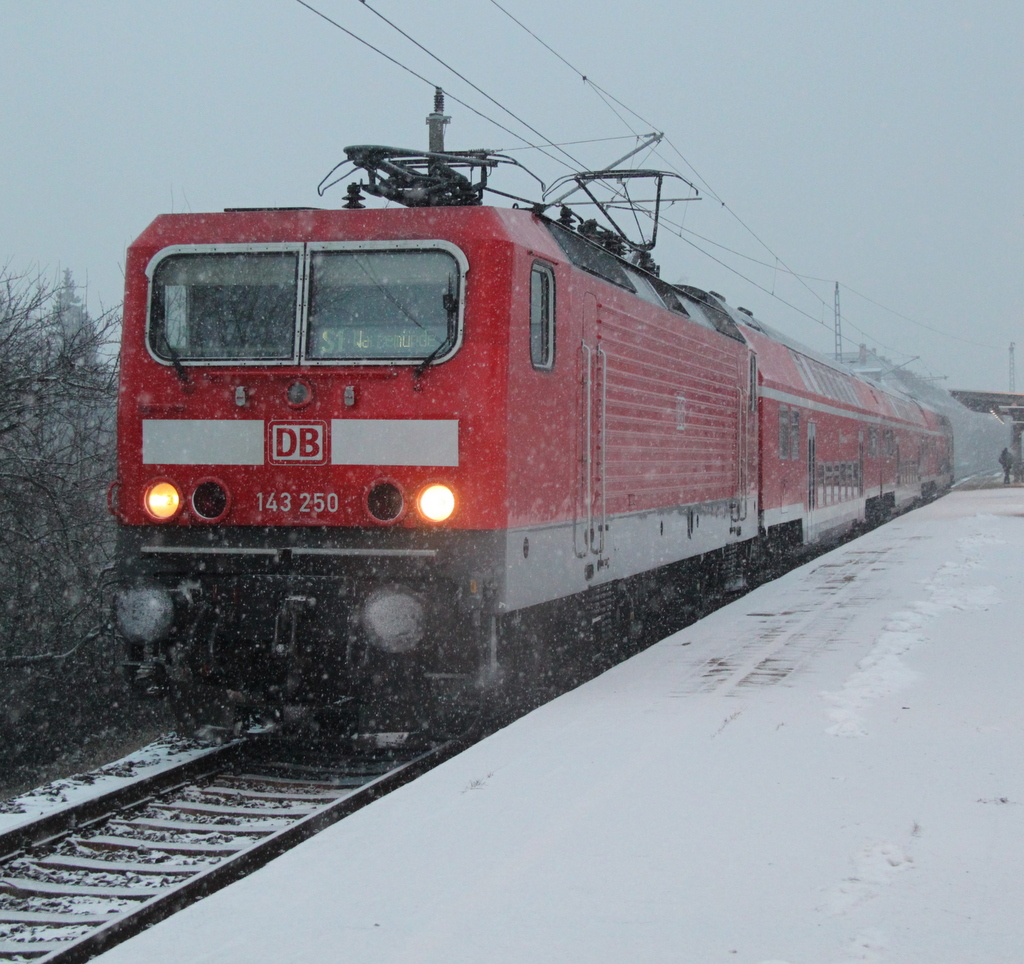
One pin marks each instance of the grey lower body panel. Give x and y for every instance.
(555, 561)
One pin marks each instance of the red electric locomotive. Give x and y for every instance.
(381, 467)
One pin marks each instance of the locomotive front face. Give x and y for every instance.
(278, 326)
(306, 504)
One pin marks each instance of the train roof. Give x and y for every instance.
(792, 367)
(283, 225)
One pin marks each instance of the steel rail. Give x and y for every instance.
(350, 789)
(77, 816)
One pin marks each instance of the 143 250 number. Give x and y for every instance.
(297, 501)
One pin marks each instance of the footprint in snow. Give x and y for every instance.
(874, 866)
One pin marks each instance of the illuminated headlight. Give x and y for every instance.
(393, 619)
(144, 615)
(162, 500)
(436, 502)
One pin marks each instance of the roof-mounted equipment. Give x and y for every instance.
(618, 182)
(421, 179)
(418, 179)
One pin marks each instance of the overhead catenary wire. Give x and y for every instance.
(589, 140)
(609, 100)
(607, 97)
(466, 80)
(419, 76)
(919, 324)
(676, 229)
(600, 91)
(844, 286)
(607, 94)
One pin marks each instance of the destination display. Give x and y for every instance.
(381, 304)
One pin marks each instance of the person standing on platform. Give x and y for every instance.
(1006, 461)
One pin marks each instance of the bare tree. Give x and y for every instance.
(57, 395)
(58, 390)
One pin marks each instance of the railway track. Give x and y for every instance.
(75, 883)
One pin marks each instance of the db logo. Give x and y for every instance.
(304, 442)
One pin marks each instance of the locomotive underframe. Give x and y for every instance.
(268, 624)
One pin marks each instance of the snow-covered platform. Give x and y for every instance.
(829, 770)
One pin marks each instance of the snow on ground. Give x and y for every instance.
(158, 756)
(829, 770)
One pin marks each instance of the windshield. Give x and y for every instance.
(381, 304)
(225, 306)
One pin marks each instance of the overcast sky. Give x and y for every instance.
(877, 143)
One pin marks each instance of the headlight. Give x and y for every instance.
(436, 502)
(385, 501)
(210, 500)
(144, 615)
(394, 619)
(162, 500)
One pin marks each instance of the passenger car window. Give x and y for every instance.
(542, 316)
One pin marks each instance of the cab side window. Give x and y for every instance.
(542, 316)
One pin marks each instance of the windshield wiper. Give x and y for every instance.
(418, 371)
(179, 369)
(451, 307)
